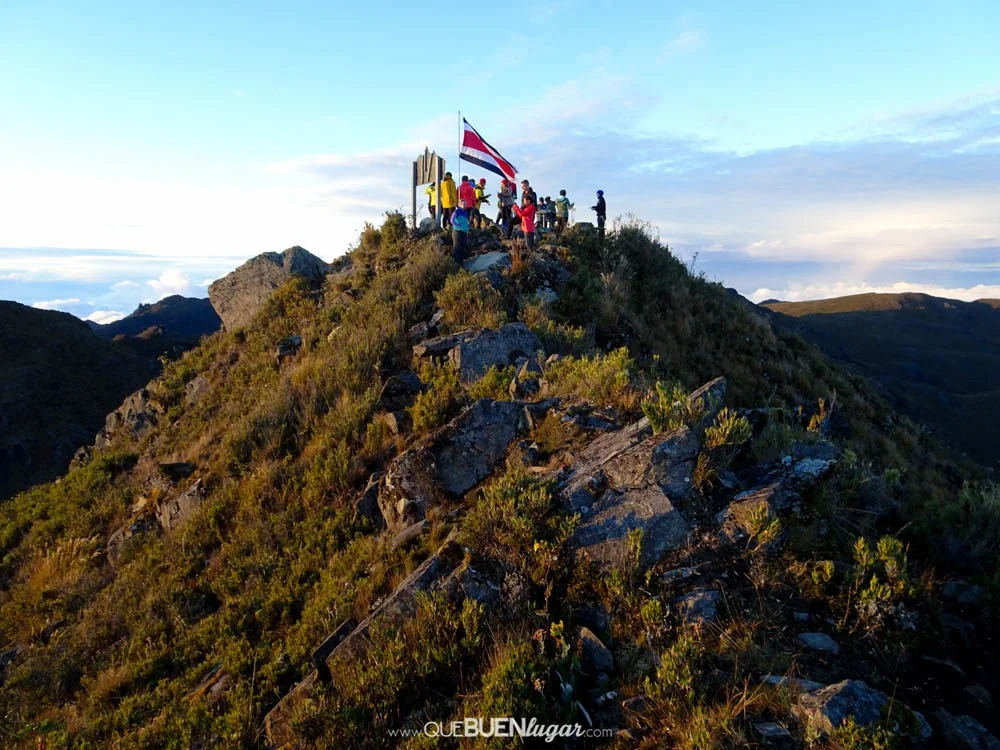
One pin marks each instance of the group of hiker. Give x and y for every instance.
(462, 210)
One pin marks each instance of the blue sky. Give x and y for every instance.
(800, 149)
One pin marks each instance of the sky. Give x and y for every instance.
(792, 150)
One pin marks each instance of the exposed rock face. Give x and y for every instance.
(827, 708)
(117, 540)
(487, 262)
(498, 348)
(820, 642)
(626, 480)
(604, 531)
(177, 509)
(473, 352)
(594, 653)
(238, 296)
(137, 415)
(450, 462)
(700, 607)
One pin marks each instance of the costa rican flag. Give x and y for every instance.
(479, 152)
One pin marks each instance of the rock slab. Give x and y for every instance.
(239, 295)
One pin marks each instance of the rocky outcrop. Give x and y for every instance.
(700, 607)
(178, 508)
(137, 415)
(495, 260)
(827, 708)
(449, 462)
(473, 352)
(628, 480)
(238, 296)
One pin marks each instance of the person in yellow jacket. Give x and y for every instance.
(449, 198)
(431, 191)
(481, 197)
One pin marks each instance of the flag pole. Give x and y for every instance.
(458, 164)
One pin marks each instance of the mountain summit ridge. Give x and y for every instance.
(578, 485)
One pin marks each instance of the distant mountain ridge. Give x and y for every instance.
(937, 359)
(57, 382)
(177, 316)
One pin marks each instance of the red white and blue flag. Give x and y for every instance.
(480, 153)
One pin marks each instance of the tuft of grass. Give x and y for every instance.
(440, 399)
(605, 379)
(668, 408)
(494, 384)
(469, 300)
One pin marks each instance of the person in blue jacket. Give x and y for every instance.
(460, 231)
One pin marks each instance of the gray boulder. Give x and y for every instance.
(366, 504)
(699, 607)
(500, 348)
(449, 462)
(827, 708)
(735, 521)
(117, 540)
(493, 261)
(239, 295)
(594, 654)
(475, 442)
(628, 479)
(178, 508)
(137, 415)
(603, 531)
(708, 400)
(196, 390)
(820, 642)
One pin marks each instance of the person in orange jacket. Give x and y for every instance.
(526, 214)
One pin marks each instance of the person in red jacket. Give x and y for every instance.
(526, 214)
(467, 192)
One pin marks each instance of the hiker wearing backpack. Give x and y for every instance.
(562, 212)
(449, 199)
(526, 214)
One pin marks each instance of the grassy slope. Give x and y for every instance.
(275, 559)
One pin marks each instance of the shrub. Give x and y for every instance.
(721, 444)
(468, 299)
(439, 400)
(494, 384)
(668, 408)
(514, 521)
(604, 378)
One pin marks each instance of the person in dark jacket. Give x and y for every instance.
(602, 211)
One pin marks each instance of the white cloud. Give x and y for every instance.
(56, 304)
(806, 292)
(105, 316)
(685, 41)
(170, 282)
